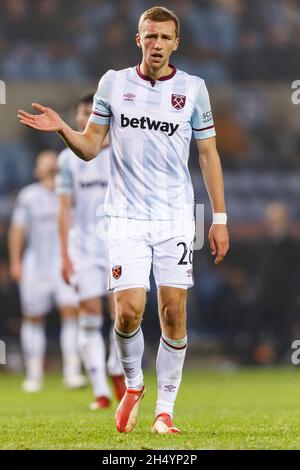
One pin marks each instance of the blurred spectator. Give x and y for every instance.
(278, 271)
(233, 139)
(9, 299)
(16, 20)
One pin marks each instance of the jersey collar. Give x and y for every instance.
(149, 79)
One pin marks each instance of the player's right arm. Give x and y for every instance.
(16, 242)
(87, 144)
(17, 237)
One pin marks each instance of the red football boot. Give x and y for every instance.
(127, 411)
(163, 424)
(99, 403)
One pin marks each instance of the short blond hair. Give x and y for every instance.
(159, 14)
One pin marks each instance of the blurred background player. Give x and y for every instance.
(34, 264)
(82, 187)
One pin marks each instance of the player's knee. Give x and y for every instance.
(128, 315)
(70, 312)
(33, 320)
(91, 306)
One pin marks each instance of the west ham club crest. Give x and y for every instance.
(117, 271)
(178, 101)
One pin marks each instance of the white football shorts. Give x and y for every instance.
(135, 245)
(40, 292)
(90, 280)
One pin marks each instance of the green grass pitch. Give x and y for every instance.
(246, 409)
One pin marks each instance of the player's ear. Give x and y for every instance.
(177, 40)
(138, 40)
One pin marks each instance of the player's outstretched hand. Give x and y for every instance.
(49, 120)
(218, 241)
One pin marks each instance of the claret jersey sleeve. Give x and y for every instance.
(202, 119)
(101, 113)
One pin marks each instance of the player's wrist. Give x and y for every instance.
(219, 218)
(63, 129)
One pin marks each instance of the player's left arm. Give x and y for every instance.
(210, 165)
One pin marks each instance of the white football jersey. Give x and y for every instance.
(151, 124)
(86, 183)
(36, 210)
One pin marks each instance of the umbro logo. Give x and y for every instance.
(129, 97)
(170, 388)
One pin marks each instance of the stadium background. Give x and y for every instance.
(248, 53)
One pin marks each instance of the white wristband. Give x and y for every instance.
(220, 218)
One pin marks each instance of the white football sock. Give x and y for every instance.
(92, 351)
(113, 363)
(130, 349)
(169, 364)
(69, 347)
(33, 342)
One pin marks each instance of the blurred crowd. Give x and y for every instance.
(243, 49)
(222, 40)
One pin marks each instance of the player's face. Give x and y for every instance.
(83, 113)
(158, 40)
(46, 165)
